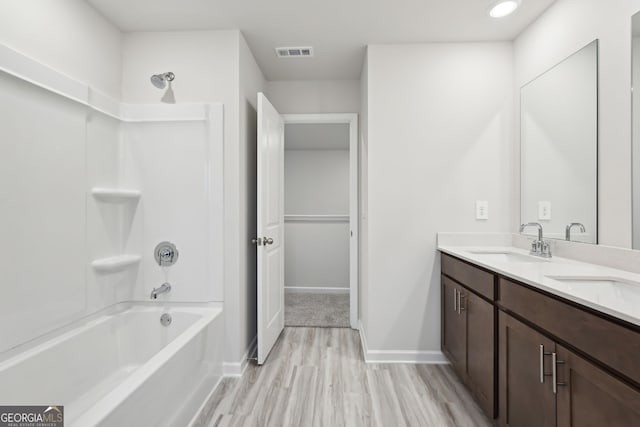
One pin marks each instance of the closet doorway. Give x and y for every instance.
(321, 220)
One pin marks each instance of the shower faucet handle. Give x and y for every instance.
(166, 254)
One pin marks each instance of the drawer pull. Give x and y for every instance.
(556, 362)
(542, 355)
(455, 300)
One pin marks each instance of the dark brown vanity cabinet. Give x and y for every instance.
(526, 392)
(468, 331)
(544, 384)
(531, 358)
(454, 331)
(590, 397)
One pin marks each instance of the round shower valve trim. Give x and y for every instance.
(166, 254)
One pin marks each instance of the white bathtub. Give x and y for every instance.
(123, 368)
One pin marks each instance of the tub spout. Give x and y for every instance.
(161, 290)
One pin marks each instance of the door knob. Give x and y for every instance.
(257, 241)
(268, 241)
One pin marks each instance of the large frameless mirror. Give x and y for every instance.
(559, 149)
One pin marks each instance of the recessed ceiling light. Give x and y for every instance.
(503, 8)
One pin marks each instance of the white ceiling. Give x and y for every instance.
(312, 136)
(337, 29)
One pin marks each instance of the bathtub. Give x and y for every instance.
(122, 368)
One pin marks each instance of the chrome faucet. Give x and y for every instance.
(538, 247)
(567, 233)
(533, 224)
(161, 290)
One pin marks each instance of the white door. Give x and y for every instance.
(270, 239)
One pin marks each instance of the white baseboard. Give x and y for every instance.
(400, 356)
(236, 369)
(316, 290)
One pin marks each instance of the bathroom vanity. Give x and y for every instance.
(542, 342)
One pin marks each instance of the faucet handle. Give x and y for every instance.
(534, 247)
(546, 250)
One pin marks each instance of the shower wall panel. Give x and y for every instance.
(42, 202)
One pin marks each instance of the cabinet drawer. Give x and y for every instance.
(610, 343)
(472, 277)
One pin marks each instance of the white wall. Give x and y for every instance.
(316, 182)
(327, 96)
(316, 256)
(439, 137)
(67, 35)
(316, 252)
(565, 27)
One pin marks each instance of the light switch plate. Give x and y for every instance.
(544, 210)
(482, 209)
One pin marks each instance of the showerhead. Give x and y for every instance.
(160, 80)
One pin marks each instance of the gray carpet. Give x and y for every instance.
(320, 310)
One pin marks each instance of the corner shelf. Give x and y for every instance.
(115, 195)
(115, 264)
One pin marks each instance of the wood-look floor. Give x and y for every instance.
(317, 377)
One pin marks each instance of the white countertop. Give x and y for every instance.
(620, 301)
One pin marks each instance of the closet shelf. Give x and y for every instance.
(316, 218)
(115, 195)
(115, 263)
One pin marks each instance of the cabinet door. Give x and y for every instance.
(588, 396)
(481, 352)
(526, 392)
(454, 332)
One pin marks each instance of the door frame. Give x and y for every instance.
(352, 120)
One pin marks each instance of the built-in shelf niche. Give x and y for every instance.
(116, 263)
(115, 195)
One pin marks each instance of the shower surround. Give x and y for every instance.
(90, 187)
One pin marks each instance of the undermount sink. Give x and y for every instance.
(506, 256)
(595, 281)
(601, 289)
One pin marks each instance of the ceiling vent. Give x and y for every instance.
(294, 52)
